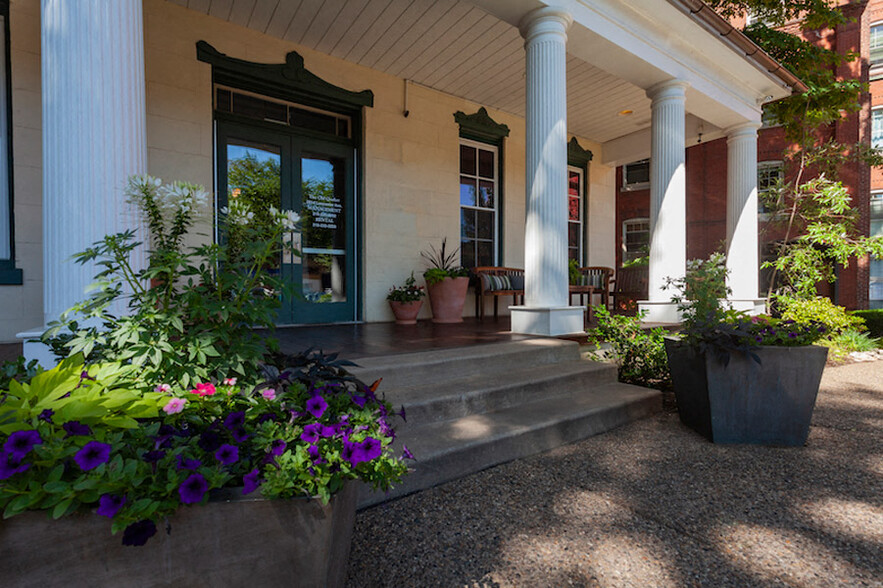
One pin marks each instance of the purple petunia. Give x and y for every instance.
(239, 435)
(330, 431)
(359, 401)
(316, 406)
(153, 456)
(311, 433)
(9, 466)
(227, 454)
(250, 481)
(193, 489)
(313, 451)
(209, 441)
(278, 447)
(370, 449)
(20, 443)
(110, 504)
(92, 455)
(267, 416)
(406, 453)
(76, 428)
(138, 533)
(235, 420)
(46, 415)
(187, 464)
(348, 452)
(402, 413)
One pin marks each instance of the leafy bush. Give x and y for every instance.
(820, 309)
(70, 441)
(842, 344)
(873, 321)
(192, 311)
(18, 370)
(639, 353)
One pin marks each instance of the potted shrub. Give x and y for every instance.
(446, 284)
(741, 379)
(406, 301)
(208, 478)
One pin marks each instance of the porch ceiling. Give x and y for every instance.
(448, 45)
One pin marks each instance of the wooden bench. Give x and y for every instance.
(630, 285)
(593, 280)
(496, 282)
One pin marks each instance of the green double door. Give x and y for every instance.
(314, 178)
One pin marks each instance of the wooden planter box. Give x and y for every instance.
(770, 403)
(242, 542)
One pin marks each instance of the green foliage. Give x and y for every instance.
(842, 344)
(18, 370)
(835, 318)
(638, 261)
(441, 264)
(815, 13)
(639, 353)
(100, 394)
(407, 293)
(192, 311)
(873, 321)
(574, 276)
(698, 295)
(271, 438)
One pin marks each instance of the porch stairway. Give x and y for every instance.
(472, 408)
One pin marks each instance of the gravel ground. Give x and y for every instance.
(653, 505)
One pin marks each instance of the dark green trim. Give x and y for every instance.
(577, 156)
(289, 80)
(10, 276)
(481, 127)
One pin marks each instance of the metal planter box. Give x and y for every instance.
(770, 403)
(242, 542)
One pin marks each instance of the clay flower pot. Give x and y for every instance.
(447, 299)
(406, 312)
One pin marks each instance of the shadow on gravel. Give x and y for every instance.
(650, 504)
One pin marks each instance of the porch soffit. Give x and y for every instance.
(456, 47)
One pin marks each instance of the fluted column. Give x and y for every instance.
(668, 196)
(742, 257)
(546, 309)
(93, 133)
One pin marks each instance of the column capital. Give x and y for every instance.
(743, 130)
(669, 89)
(543, 21)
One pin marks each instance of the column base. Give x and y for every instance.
(33, 348)
(753, 306)
(659, 312)
(548, 321)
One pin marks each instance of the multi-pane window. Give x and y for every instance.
(876, 44)
(575, 214)
(769, 174)
(877, 127)
(875, 294)
(635, 238)
(636, 175)
(479, 203)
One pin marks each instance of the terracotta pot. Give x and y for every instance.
(406, 312)
(240, 542)
(447, 299)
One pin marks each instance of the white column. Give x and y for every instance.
(668, 197)
(547, 309)
(742, 244)
(94, 119)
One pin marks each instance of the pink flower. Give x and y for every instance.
(206, 389)
(174, 406)
(229, 381)
(269, 394)
(163, 388)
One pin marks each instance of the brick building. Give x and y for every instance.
(858, 286)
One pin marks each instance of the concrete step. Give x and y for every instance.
(476, 394)
(441, 365)
(451, 449)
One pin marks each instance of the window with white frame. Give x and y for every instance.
(479, 203)
(636, 175)
(769, 174)
(8, 273)
(875, 288)
(876, 44)
(635, 238)
(877, 127)
(575, 213)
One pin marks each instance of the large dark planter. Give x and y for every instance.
(447, 299)
(770, 403)
(242, 542)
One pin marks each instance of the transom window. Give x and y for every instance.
(575, 213)
(635, 238)
(479, 203)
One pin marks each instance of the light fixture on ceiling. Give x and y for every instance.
(625, 112)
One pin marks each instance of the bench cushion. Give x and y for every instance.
(493, 283)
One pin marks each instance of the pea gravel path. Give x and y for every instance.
(653, 505)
